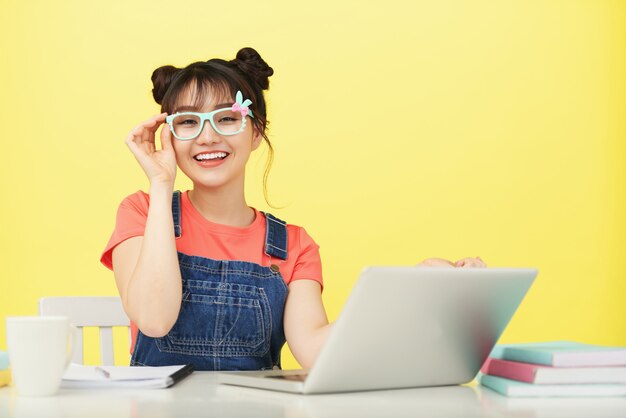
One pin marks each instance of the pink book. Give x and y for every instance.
(540, 374)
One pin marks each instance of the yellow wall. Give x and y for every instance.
(403, 130)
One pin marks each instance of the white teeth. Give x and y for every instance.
(211, 156)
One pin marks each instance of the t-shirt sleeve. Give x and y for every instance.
(130, 222)
(308, 265)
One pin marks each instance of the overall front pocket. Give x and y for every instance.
(222, 320)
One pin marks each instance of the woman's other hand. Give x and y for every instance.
(464, 262)
(159, 165)
(470, 262)
(436, 262)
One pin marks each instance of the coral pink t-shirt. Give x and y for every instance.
(203, 238)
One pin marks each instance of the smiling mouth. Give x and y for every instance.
(211, 156)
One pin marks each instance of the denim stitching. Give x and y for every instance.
(176, 214)
(229, 352)
(269, 310)
(278, 227)
(209, 351)
(214, 271)
(209, 286)
(243, 272)
(217, 302)
(215, 343)
(212, 343)
(274, 219)
(269, 234)
(220, 310)
(233, 326)
(282, 280)
(278, 248)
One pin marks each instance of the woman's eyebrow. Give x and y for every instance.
(197, 109)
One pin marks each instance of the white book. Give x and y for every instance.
(78, 376)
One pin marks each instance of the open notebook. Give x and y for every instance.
(88, 377)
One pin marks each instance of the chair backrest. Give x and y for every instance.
(104, 312)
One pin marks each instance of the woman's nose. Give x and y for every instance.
(207, 135)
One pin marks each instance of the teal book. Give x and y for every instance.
(514, 388)
(4, 360)
(498, 349)
(563, 354)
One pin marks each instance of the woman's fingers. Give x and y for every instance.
(436, 262)
(143, 134)
(166, 138)
(470, 262)
(154, 122)
(464, 262)
(133, 141)
(145, 131)
(138, 135)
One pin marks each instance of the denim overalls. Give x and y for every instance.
(231, 316)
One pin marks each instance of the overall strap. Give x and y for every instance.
(275, 236)
(178, 230)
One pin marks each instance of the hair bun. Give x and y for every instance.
(161, 80)
(252, 65)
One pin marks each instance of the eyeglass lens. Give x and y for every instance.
(225, 122)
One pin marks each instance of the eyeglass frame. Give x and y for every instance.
(203, 118)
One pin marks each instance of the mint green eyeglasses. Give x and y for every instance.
(227, 121)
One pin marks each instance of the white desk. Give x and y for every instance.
(199, 396)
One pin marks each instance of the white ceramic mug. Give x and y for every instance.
(39, 352)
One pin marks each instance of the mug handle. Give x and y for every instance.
(73, 333)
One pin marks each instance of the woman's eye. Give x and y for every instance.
(227, 119)
(187, 122)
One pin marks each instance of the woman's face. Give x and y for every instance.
(214, 160)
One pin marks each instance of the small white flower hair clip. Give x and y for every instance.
(242, 106)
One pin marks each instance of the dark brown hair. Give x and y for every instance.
(247, 73)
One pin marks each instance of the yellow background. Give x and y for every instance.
(403, 130)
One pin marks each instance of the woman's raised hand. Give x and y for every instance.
(464, 262)
(159, 165)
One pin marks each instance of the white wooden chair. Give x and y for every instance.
(104, 312)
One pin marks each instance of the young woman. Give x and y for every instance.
(205, 278)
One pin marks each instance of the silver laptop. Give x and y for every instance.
(407, 327)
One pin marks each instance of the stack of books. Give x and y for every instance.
(561, 368)
(5, 373)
